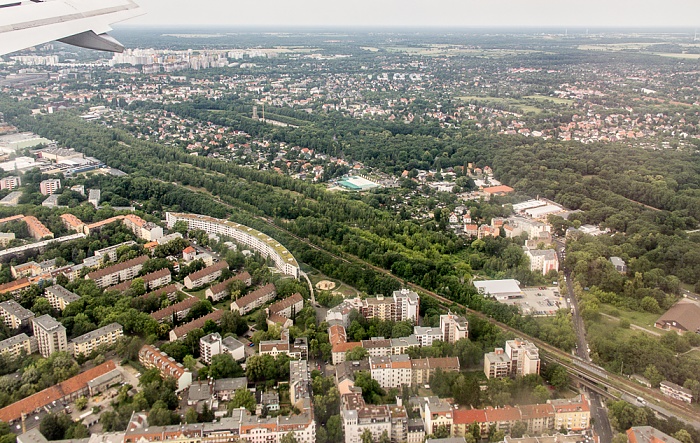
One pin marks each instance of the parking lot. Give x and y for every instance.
(539, 301)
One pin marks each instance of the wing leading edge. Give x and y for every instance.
(81, 23)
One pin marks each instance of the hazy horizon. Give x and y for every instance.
(416, 13)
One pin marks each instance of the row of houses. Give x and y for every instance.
(435, 413)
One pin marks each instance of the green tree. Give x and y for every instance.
(366, 436)
(355, 354)
(683, 436)
(224, 366)
(191, 416)
(288, 438)
(81, 403)
(518, 430)
(189, 362)
(242, 398)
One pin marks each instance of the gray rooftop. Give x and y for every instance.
(48, 323)
(60, 292)
(230, 384)
(13, 340)
(16, 310)
(495, 287)
(98, 333)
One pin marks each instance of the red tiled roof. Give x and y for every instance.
(504, 414)
(164, 290)
(14, 285)
(287, 302)
(177, 307)
(468, 416)
(208, 270)
(258, 293)
(54, 393)
(181, 331)
(117, 268)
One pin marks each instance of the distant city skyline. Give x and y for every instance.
(414, 13)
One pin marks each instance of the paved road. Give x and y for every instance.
(601, 422)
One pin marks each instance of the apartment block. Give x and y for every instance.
(392, 371)
(453, 327)
(72, 222)
(212, 344)
(542, 260)
(36, 228)
(112, 275)
(403, 305)
(423, 369)
(240, 426)
(10, 182)
(151, 357)
(110, 252)
(524, 356)
(426, 336)
(178, 310)
(573, 414)
(48, 187)
(88, 383)
(15, 347)
(435, 413)
(496, 364)
(205, 276)
(50, 335)
(151, 281)
(14, 315)
(60, 297)
(142, 229)
(359, 417)
(377, 346)
(288, 307)
(263, 244)
(254, 299)
(221, 290)
(181, 331)
(104, 336)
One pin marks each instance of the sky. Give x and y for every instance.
(423, 13)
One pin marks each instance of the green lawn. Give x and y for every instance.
(544, 98)
(644, 319)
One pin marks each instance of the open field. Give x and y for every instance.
(315, 276)
(454, 50)
(545, 98)
(641, 48)
(504, 101)
(644, 320)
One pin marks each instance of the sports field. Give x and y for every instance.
(356, 183)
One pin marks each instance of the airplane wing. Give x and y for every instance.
(84, 23)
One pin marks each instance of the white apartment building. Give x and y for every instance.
(426, 335)
(524, 357)
(265, 245)
(50, 335)
(212, 344)
(121, 271)
(542, 260)
(453, 327)
(392, 371)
